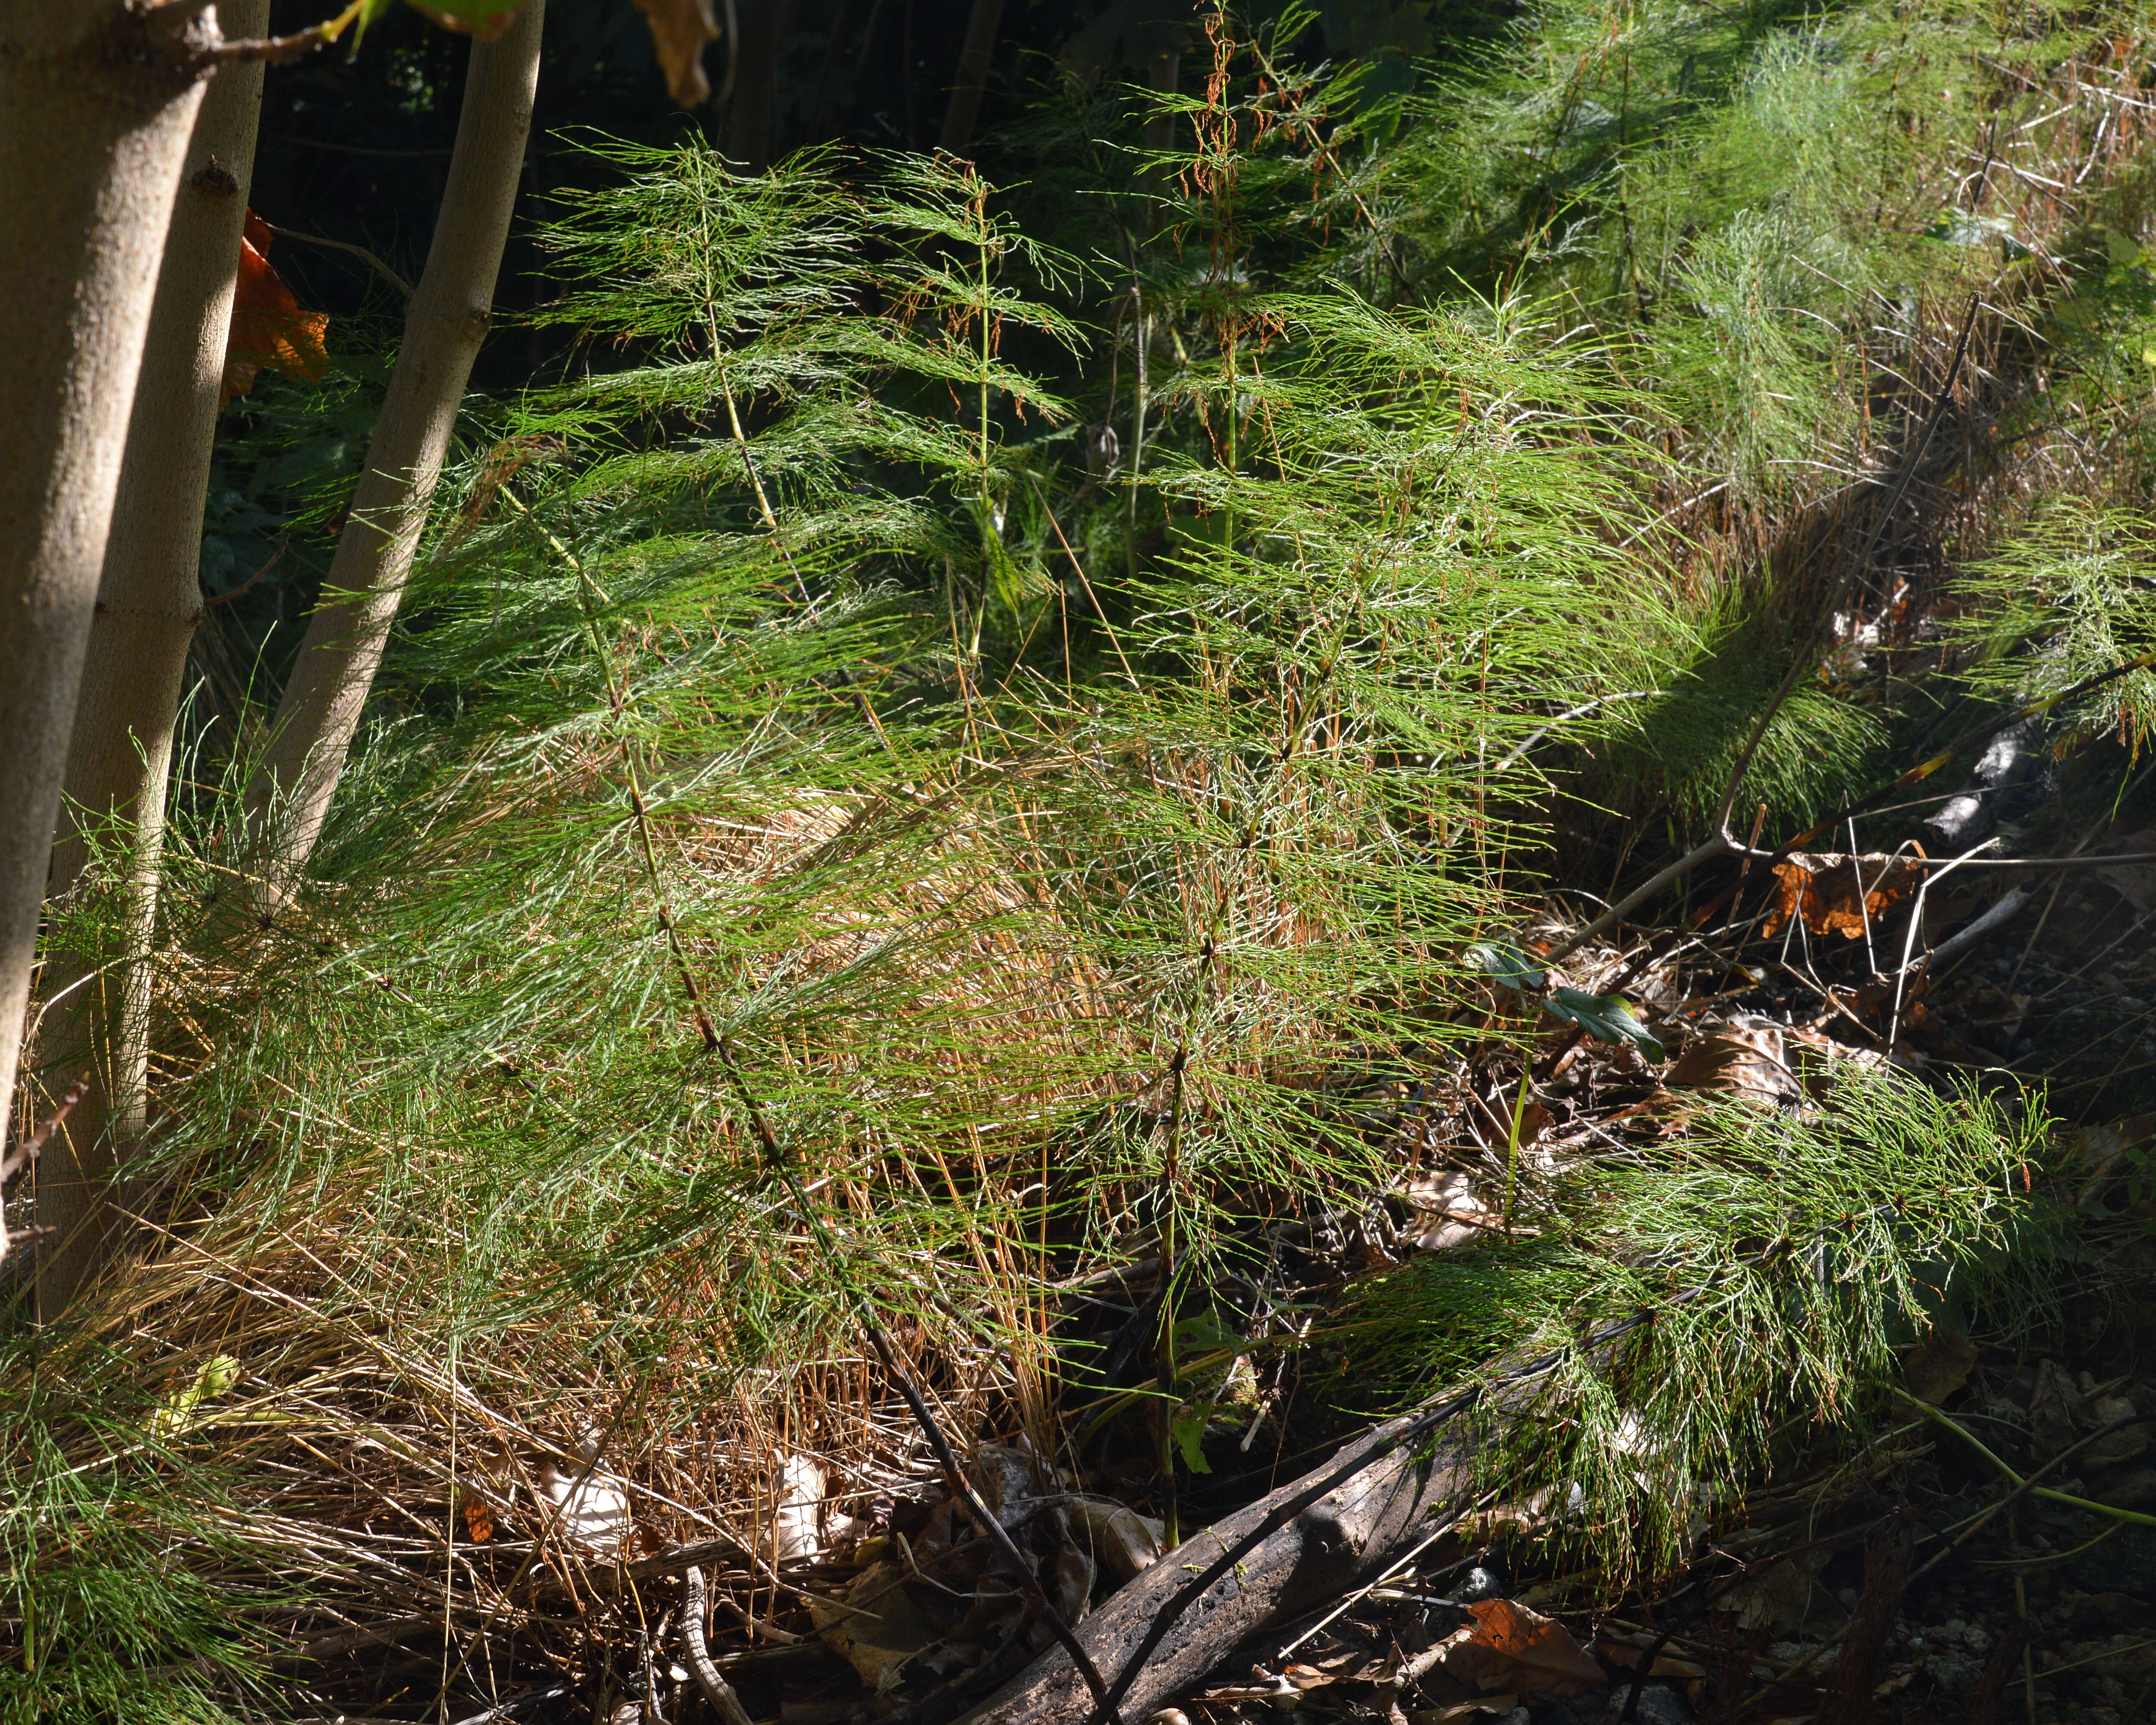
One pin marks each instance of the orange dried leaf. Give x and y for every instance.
(268, 329)
(1509, 1646)
(479, 1519)
(680, 29)
(1835, 894)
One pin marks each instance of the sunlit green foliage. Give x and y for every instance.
(1033, 733)
(106, 1531)
(1776, 1263)
(2070, 595)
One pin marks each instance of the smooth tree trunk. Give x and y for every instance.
(962, 112)
(96, 101)
(446, 320)
(756, 83)
(149, 603)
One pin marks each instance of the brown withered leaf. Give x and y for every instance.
(2096, 1154)
(1446, 1211)
(1834, 893)
(1120, 1540)
(1748, 1062)
(1633, 1652)
(1938, 1365)
(2059, 1412)
(1774, 1597)
(1921, 1027)
(680, 29)
(2134, 882)
(269, 330)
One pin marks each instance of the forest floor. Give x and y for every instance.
(1903, 1578)
(671, 1072)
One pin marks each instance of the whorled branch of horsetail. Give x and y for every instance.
(617, 702)
(741, 436)
(711, 334)
(778, 537)
(947, 1461)
(775, 1156)
(1410, 1431)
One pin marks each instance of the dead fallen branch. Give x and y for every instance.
(716, 1690)
(1304, 1543)
(1337, 1527)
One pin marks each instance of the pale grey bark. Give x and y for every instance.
(962, 112)
(96, 101)
(149, 603)
(443, 326)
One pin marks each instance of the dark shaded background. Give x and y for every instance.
(355, 146)
(355, 143)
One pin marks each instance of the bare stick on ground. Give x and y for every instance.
(716, 1690)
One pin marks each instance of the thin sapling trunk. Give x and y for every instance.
(447, 320)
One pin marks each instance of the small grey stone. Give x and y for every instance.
(1952, 1677)
(1479, 1584)
(1659, 1705)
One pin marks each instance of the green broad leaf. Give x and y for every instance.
(1607, 1018)
(1957, 227)
(212, 1379)
(1200, 1333)
(1187, 1428)
(1506, 965)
